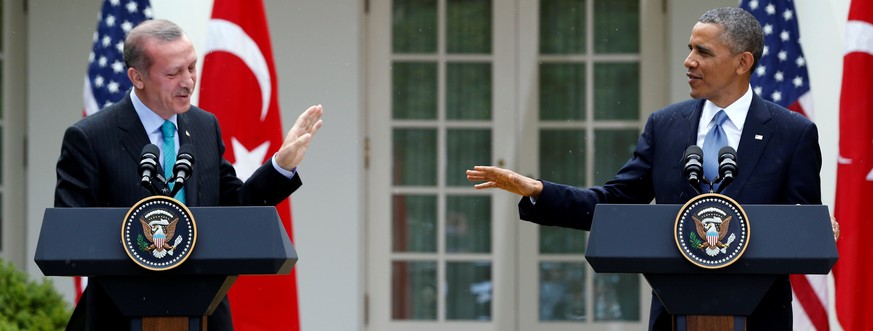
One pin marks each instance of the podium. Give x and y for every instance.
(784, 239)
(231, 241)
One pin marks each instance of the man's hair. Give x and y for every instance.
(134, 45)
(741, 30)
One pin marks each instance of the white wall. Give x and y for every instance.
(317, 49)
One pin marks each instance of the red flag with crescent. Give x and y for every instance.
(855, 172)
(239, 86)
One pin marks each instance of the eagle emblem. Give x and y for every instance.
(158, 233)
(159, 230)
(713, 230)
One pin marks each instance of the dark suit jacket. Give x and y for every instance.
(778, 159)
(100, 154)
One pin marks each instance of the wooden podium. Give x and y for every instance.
(231, 241)
(784, 239)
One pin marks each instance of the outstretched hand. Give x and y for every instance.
(835, 226)
(507, 180)
(298, 138)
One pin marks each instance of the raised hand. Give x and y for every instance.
(504, 179)
(298, 138)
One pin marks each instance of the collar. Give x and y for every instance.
(736, 111)
(150, 120)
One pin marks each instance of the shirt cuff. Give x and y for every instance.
(286, 173)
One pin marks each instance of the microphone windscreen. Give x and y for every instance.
(693, 150)
(151, 149)
(727, 151)
(186, 149)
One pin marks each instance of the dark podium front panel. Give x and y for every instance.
(231, 241)
(783, 239)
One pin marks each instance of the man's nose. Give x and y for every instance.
(690, 62)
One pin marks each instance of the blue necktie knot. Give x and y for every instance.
(168, 129)
(720, 118)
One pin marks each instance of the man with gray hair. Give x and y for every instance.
(100, 153)
(778, 152)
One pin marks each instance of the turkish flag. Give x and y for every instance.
(855, 172)
(239, 86)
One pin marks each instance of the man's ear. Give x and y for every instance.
(746, 60)
(136, 78)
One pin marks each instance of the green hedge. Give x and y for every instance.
(28, 305)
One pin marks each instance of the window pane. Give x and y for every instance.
(468, 26)
(562, 91)
(617, 26)
(616, 297)
(612, 150)
(414, 90)
(415, 157)
(465, 148)
(562, 156)
(617, 91)
(414, 290)
(468, 296)
(468, 224)
(468, 91)
(414, 26)
(558, 240)
(562, 291)
(414, 226)
(562, 26)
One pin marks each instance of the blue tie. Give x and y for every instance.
(168, 129)
(714, 141)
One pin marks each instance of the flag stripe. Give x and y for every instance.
(811, 302)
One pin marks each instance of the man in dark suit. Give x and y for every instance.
(98, 165)
(778, 152)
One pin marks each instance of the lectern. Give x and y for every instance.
(784, 239)
(231, 241)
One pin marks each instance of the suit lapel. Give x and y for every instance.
(133, 136)
(756, 134)
(188, 135)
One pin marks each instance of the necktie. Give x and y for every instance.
(168, 129)
(715, 139)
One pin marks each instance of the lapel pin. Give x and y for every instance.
(759, 137)
(187, 133)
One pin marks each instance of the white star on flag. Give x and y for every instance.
(247, 161)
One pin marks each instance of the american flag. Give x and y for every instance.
(781, 74)
(781, 77)
(106, 80)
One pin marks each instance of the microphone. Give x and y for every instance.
(183, 167)
(148, 166)
(693, 165)
(727, 166)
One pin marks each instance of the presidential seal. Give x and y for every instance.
(158, 233)
(712, 231)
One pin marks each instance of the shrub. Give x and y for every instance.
(28, 305)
